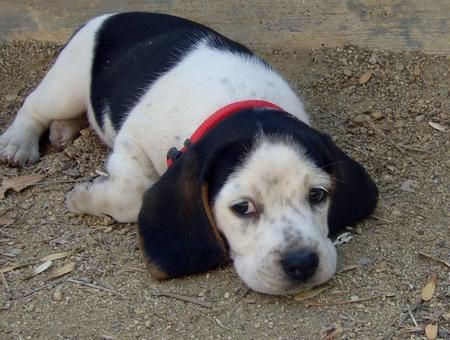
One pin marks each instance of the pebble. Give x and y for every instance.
(377, 115)
(399, 67)
(419, 118)
(408, 186)
(373, 59)
(226, 295)
(359, 119)
(57, 295)
(347, 72)
(10, 97)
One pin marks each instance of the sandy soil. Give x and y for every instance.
(384, 123)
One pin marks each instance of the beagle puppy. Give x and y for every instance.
(253, 182)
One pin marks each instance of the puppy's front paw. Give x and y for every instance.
(18, 149)
(79, 200)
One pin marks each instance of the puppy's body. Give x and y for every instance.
(147, 81)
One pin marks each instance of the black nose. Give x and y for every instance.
(300, 265)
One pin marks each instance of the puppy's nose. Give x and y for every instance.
(300, 265)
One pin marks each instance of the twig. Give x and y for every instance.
(338, 303)
(381, 219)
(412, 148)
(8, 255)
(185, 298)
(220, 323)
(412, 308)
(96, 287)
(51, 284)
(447, 264)
(412, 317)
(380, 132)
(6, 285)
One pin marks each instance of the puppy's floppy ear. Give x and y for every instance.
(355, 194)
(176, 228)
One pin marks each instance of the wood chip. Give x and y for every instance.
(67, 268)
(431, 331)
(365, 77)
(39, 269)
(311, 293)
(429, 288)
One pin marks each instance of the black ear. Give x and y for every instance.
(355, 194)
(176, 228)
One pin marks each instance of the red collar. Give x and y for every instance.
(215, 119)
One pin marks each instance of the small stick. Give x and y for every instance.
(412, 317)
(220, 323)
(6, 285)
(412, 309)
(8, 255)
(96, 287)
(447, 264)
(380, 132)
(51, 284)
(338, 303)
(381, 219)
(185, 298)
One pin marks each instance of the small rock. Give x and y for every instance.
(226, 295)
(57, 295)
(447, 163)
(107, 220)
(10, 97)
(359, 119)
(377, 115)
(399, 67)
(419, 118)
(364, 261)
(347, 72)
(408, 186)
(358, 230)
(373, 59)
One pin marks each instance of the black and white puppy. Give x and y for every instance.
(257, 185)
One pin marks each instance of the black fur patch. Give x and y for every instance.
(133, 49)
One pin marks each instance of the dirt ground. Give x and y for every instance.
(383, 122)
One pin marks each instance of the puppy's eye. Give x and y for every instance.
(317, 195)
(244, 208)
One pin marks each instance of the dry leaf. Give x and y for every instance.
(14, 266)
(39, 269)
(438, 126)
(56, 256)
(311, 293)
(428, 289)
(67, 268)
(332, 332)
(431, 331)
(365, 77)
(19, 183)
(446, 316)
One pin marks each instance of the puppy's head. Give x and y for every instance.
(263, 189)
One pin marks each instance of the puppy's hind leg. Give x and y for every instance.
(62, 94)
(120, 194)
